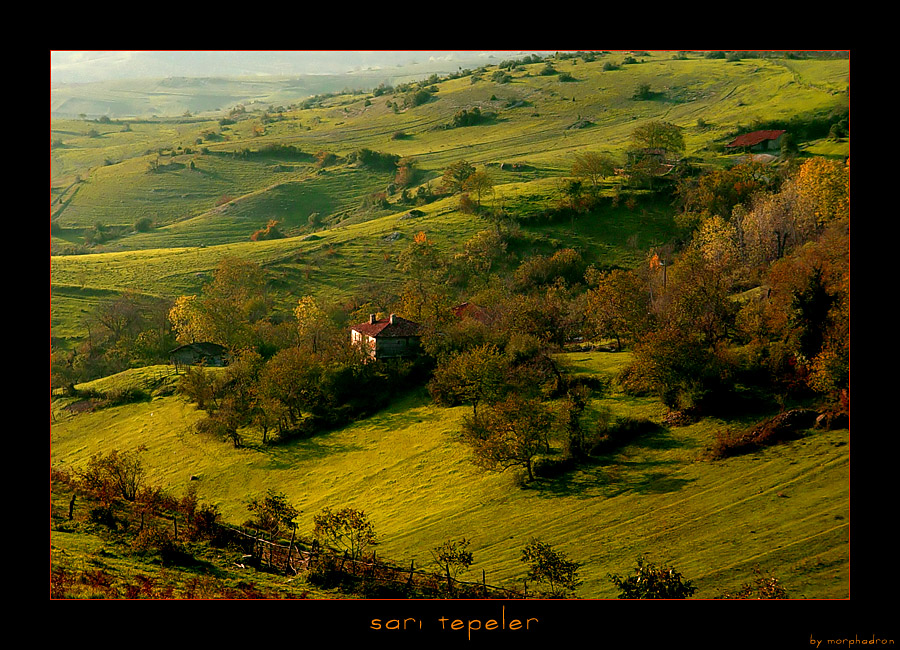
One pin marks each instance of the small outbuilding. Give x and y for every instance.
(388, 338)
(196, 354)
(758, 141)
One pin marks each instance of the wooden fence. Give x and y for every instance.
(290, 559)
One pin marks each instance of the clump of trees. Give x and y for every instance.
(126, 331)
(114, 489)
(783, 238)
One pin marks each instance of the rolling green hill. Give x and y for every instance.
(153, 205)
(785, 509)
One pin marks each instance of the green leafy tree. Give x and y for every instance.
(228, 309)
(653, 582)
(473, 376)
(551, 568)
(480, 184)
(811, 311)
(658, 134)
(510, 433)
(317, 332)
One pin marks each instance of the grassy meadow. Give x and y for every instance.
(785, 509)
(206, 184)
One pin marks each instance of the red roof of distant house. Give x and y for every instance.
(473, 311)
(751, 139)
(389, 327)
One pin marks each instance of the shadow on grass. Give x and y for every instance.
(328, 442)
(317, 447)
(608, 475)
(608, 478)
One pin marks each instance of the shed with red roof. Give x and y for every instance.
(758, 140)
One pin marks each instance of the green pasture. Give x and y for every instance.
(336, 263)
(784, 509)
(540, 120)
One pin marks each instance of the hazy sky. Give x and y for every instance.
(85, 66)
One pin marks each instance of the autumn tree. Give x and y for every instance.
(453, 557)
(697, 294)
(824, 188)
(272, 514)
(116, 475)
(717, 192)
(480, 184)
(770, 224)
(550, 567)
(618, 305)
(348, 530)
(593, 167)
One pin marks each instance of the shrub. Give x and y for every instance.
(143, 224)
(620, 431)
(764, 587)
(271, 231)
(653, 582)
(782, 427)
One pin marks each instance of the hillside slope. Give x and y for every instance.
(785, 509)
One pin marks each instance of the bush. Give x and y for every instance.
(611, 436)
(653, 582)
(271, 231)
(144, 224)
(782, 427)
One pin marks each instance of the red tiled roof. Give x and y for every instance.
(471, 310)
(400, 327)
(751, 139)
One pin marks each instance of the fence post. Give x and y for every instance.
(290, 560)
(484, 583)
(411, 564)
